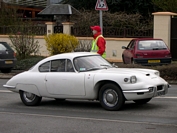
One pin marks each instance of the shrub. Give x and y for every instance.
(23, 41)
(84, 46)
(118, 19)
(60, 43)
(25, 64)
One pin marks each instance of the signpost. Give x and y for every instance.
(101, 6)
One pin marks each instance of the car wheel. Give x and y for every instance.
(111, 97)
(142, 101)
(132, 61)
(30, 99)
(6, 70)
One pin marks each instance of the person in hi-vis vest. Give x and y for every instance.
(99, 43)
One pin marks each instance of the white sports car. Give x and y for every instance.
(84, 75)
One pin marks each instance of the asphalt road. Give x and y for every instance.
(72, 116)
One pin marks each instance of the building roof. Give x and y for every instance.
(38, 3)
(59, 9)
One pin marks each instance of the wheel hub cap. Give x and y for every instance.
(29, 97)
(110, 97)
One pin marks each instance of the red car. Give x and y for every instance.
(146, 51)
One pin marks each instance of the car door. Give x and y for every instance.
(128, 53)
(63, 80)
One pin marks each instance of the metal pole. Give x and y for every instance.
(101, 21)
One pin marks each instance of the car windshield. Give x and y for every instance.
(151, 45)
(89, 63)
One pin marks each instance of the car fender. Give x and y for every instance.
(28, 88)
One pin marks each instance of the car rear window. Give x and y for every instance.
(4, 46)
(151, 45)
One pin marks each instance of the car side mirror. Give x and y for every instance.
(113, 64)
(123, 47)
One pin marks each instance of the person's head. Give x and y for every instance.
(95, 29)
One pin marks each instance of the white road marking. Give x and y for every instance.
(4, 91)
(92, 119)
(167, 97)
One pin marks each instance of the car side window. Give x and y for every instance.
(55, 65)
(70, 66)
(131, 44)
(45, 67)
(61, 65)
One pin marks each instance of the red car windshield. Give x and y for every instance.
(151, 45)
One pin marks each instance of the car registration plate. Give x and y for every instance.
(160, 93)
(153, 61)
(8, 62)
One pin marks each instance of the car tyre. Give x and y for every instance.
(6, 70)
(142, 101)
(111, 97)
(30, 99)
(132, 61)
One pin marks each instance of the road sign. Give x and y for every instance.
(101, 5)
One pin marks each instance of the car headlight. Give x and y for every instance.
(157, 73)
(133, 79)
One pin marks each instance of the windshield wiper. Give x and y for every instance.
(158, 48)
(155, 49)
(105, 65)
(95, 68)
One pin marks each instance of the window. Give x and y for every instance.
(62, 65)
(44, 67)
(131, 45)
(70, 66)
(2, 47)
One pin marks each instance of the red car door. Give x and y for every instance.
(129, 52)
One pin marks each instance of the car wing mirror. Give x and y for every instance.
(123, 47)
(114, 65)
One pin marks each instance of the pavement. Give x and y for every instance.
(15, 72)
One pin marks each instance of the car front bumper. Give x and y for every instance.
(150, 92)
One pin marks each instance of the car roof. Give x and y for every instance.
(71, 55)
(142, 39)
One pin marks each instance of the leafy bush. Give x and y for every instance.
(23, 41)
(118, 19)
(84, 46)
(25, 64)
(60, 43)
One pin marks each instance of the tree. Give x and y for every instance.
(144, 7)
(23, 41)
(166, 5)
(8, 15)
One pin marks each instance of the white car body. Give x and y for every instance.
(86, 83)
